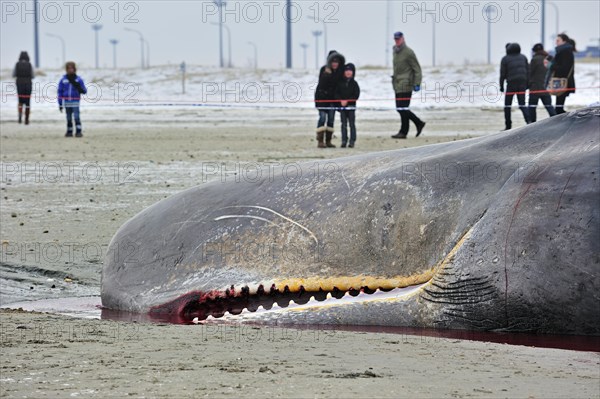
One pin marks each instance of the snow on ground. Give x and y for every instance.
(161, 86)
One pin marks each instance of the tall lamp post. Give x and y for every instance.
(304, 47)
(141, 42)
(557, 31)
(316, 34)
(62, 43)
(220, 4)
(36, 36)
(96, 28)
(255, 54)
(288, 35)
(147, 43)
(229, 63)
(543, 23)
(488, 11)
(114, 43)
(324, 32)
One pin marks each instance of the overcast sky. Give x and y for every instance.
(183, 30)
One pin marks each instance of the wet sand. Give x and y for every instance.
(63, 199)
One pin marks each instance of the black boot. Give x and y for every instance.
(27, 109)
(20, 113)
(420, 127)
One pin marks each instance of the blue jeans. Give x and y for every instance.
(326, 117)
(72, 111)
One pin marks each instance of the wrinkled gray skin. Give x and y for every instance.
(530, 197)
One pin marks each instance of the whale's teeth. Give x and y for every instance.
(245, 311)
(329, 296)
(195, 320)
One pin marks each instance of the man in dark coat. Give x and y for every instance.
(329, 76)
(348, 92)
(406, 79)
(537, 83)
(514, 68)
(563, 66)
(23, 72)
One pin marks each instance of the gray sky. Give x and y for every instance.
(182, 30)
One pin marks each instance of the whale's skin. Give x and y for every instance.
(508, 223)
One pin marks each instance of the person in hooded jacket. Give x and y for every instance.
(70, 89)
(537, 83)
(347, 92)
(329, 76)
(23, 73)
(514, 69)
(563, 66)
(406, 79)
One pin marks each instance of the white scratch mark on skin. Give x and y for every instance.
(245, 216)
(344, 177)
(281, 216)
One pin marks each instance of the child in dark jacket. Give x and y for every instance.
(70, 89)
(514, 68)
(347, 92)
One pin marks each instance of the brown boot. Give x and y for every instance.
(27, 109)
(328, 137)
(320, 136)
(20, 113)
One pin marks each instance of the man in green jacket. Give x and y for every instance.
(406, 79)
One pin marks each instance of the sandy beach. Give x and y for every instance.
(63, 199)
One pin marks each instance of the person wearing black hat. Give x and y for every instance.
(347, 92)
(537, 78)
(329, 76)
(23, 72)
(514, 68)
(406, 79)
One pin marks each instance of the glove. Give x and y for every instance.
(501, 89)
(417, 88)
(60, 108)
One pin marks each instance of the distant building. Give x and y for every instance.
(589, 52)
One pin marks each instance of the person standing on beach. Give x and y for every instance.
(537, 79)
(406, 79)
(329, 76)
(70, 89)
(514, 69)
(563, 66)
(347, 92)
(23, 72)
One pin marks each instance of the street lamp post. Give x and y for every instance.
(62, 42)
(316, 34)
(229, 63)
(543, 19)
(255, 54)
(114, 42)
(557, 31)
(220, 4)
(141, 42)
(96, 28)
(147, 43)
(304, 47)
(324, 32)
(36, 36)
(488, 12)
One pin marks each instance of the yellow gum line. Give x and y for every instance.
(345, 283)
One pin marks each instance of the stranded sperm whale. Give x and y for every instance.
(493, 233)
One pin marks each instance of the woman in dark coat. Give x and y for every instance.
(563, 66)
(23, 72)
(514, 68)
(329, 76)
(537, 78)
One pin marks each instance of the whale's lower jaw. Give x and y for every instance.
(291, 294)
